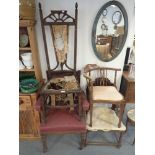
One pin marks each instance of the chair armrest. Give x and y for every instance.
(87, 77)
(84, 102)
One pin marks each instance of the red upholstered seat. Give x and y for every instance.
(60, 120)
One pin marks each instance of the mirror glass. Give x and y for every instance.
(109, 31)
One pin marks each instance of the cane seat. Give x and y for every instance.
(106, 93)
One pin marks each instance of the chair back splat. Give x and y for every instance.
(59, 22)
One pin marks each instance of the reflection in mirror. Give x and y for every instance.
(109, 31)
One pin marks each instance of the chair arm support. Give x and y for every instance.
(39, 103)
(84, 102)
(42, 82)
(40, 99)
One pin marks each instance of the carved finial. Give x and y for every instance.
(76, 5)
(39, 5)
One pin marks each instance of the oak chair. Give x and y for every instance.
(61, 101)
(101, 82)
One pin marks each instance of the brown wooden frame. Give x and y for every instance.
(121, 103)
(60, 17)
(127, 87)
(55, 18)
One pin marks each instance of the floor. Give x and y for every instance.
(68, 145)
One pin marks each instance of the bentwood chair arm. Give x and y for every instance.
(88, 79)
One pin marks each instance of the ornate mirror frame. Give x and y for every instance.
(93, 36)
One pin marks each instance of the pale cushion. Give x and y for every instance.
(131, 114)
(104, 119)
(106, 93)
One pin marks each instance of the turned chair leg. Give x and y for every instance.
(121, 114)
(85, 140)
(44, 142)
(127, 121)
(127, 124)
(91, 114)
(82, 141)
(133, 141)
(119, 142)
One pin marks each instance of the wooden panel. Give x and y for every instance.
(29, 120)
(131, 86)
(24, 100)
(127, 88)
(130, 97)
(27, 123)
(130, 93)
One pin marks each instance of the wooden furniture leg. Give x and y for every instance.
(44, 142)
(120, 115)
(82, 141)
(85, 140)
(120, 140)
(133, 141)
(91, 113)
(127, 124)
(132, 122)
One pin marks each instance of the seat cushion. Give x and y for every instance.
(106, 93)
(131, 115)
(104, 119)
(60, 121)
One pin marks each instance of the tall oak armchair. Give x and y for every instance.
(61, 103)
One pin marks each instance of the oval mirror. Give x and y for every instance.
(110, 30)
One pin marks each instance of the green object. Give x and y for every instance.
(23, 76)
(29, 85)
